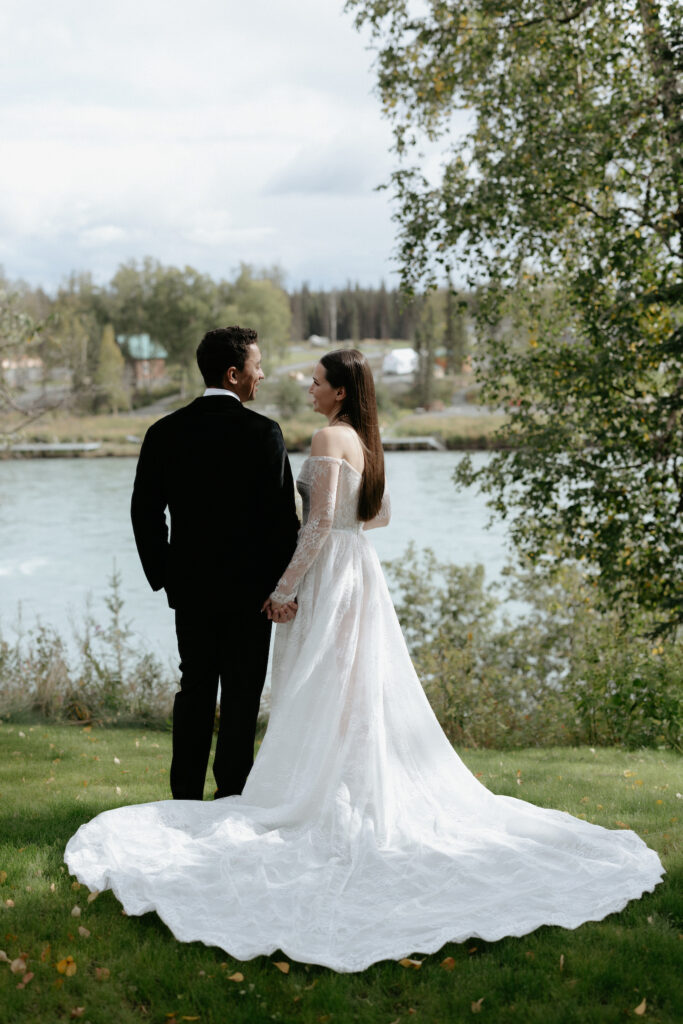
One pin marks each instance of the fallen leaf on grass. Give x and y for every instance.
(307, 988)
(530, 955)
(4, 959)
(283, 966)
(45, 955)
(67, 966)
(18, 966)
(449, 963)
(189, 1018)
(77, 1011)
(83, 931)
(561, 961)
(102, 973)
(9, 903)
(641, 1008)
(76, 911)
(93, 895)
(407, 962)
(75, 885)
(621, 824)
(118, 791)
(116, 761)
(25, 980)
(476, 1007)
(3, 877)
(236, 977)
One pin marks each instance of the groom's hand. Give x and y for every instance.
(279, 612)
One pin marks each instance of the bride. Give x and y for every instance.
(360, 835)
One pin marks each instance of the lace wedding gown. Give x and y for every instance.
(360, 834)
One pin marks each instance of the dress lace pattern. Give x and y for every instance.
(328, 497)
(360, 834)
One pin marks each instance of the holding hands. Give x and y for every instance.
(277, 612)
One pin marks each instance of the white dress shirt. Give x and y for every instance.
(220, 391)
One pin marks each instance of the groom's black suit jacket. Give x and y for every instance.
(223, 473)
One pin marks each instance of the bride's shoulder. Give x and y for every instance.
(327, 442)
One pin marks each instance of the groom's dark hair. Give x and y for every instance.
(222, 348)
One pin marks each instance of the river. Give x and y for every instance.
(64, 523)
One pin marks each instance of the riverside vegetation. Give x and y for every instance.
(565, 672)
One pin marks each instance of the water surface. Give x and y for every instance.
(64, 523)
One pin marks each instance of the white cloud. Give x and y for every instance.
(204, 133)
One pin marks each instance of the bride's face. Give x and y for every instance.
(326, 399)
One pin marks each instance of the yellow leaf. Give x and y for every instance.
(283, 966)
(189, 1018)
(641, 1008)
(67, 966)
(476, 1007)
(449, 963)
(236, 976)
(3, 877)
(407, 962)
(75, 885)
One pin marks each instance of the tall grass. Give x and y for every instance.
(102, 677)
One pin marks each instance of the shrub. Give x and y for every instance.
(109, 680)
(563, 673)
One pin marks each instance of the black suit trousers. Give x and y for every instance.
(231, 645)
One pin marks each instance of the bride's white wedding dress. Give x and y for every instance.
(360, 834)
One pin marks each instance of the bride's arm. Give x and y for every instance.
(383, 517)
(324, 477)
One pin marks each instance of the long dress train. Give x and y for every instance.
(360, 834)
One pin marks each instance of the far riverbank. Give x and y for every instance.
(120, 436)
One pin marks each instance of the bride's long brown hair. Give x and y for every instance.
(349, 369)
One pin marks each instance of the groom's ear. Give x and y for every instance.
(230, 377)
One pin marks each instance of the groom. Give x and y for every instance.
(223, 474)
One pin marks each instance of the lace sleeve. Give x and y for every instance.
(324, 477)
(383, 517)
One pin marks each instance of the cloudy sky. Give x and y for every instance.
(201, 132)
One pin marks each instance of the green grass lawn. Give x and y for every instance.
(53, 778)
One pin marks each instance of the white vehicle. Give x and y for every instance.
(400, 361)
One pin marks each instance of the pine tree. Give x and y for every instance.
(111, 391)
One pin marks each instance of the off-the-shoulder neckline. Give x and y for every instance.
(333, 458)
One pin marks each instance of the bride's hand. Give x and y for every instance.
(279, 612)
